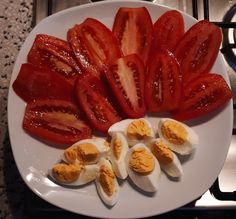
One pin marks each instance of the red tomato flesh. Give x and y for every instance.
(203, 95)
(94, 45)
(168, 30)
(126, 78)
(56, 54)
(163, 87)
(34, 82)
(56, 122)
(134, 31)
(94, 83)
(198, 49)
(95, 104)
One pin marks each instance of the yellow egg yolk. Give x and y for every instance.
(174, 132)
(70, 154)
(87, 153)
(138, 129)
(106, 179)
(66, 173)
(163, 154)
(117, 146)
(141, 161)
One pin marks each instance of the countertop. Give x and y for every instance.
(15, 25)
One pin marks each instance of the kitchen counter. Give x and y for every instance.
(15, 25)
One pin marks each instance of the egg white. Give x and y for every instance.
(173, 169)
(185, 148)
(147, 183)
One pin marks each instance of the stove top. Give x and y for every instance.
(222, 195)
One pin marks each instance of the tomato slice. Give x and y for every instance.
(168, 30)
(94, 83)
(96, 106)
(94, 45)
(56, 54)
(56, 122)
(198, 49)
(203, 95)
(163, 87)
(35, 82)
(126, 79)
(134, 31)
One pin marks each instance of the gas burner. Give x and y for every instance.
(227, 47)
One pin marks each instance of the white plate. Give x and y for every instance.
(34, 158)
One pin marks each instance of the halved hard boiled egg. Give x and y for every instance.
(73, 174)
(135, 130)
(87, 151)
(168, 161)
(106, 183)
(119, 148)
(143, 168)
(178, 136)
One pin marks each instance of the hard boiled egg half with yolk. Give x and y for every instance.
(135, 130)
(119, 149)
(168, 160)
(143, 168)
(178, 136)
(87, 151)
(106, 183)
(73, 174)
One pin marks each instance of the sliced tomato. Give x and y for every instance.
(198, 49)
(126, 79)
(163, 87)
(56, 54)
(94, 83)
(94, 45)
(168, 30)
(203, 95)
(134, 31)
(56, 122)
(98, 109)
(35, 82)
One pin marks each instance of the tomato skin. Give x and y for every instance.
(163, 87)
(34, 82)
(126, 78)
(168, 30)
(198, 49)
(56, 122)
(94, 45)
(133, 29)
(203, 95)
(56, 54)
(91, 96)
